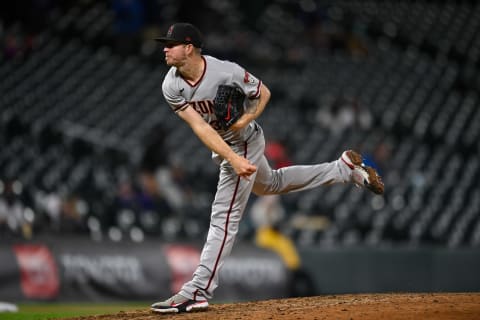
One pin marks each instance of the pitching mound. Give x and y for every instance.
(436, 306)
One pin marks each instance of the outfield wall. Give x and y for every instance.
(355, 270)
(81, 270)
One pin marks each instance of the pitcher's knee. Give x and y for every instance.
(264, 190)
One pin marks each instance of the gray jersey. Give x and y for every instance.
(232, 191)
(179, 93)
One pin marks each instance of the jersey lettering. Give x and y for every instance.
(203, 107)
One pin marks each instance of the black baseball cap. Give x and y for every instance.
(183, 33)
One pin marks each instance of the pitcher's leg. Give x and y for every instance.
(298, 178)
(227, 209)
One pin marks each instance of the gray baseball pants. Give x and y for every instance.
(231, 200)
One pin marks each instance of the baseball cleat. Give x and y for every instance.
(362, 175)
(179, 303)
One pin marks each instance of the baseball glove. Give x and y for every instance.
(228, 105)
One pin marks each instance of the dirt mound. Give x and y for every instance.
(416, 306)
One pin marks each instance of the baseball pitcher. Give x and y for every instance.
(221, 101)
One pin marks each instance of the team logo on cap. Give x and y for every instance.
(170, 30)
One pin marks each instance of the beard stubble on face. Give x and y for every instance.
(175, 59)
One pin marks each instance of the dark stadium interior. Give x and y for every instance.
(88, 145)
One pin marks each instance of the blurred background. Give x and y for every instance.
(91, 156)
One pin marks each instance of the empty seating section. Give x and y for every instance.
(74, 115)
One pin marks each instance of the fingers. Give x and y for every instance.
(251, 169)
(247, 172)
(243, 167)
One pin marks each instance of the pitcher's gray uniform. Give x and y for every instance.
(232, 191)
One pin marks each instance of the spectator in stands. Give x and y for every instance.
(157, 176)
(339, 113)
(15, 218)
(72, 215)
(129, 21)
(379, 158)
(3, 212)
(11, 46)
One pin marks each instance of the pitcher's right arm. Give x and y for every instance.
(215, 143)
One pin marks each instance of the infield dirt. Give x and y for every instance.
(418, 306)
